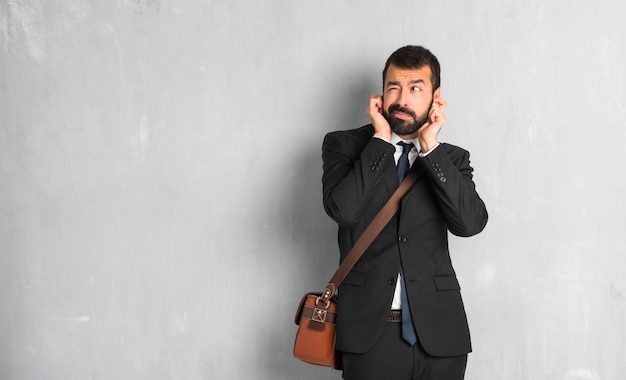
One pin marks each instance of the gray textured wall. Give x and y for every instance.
(160, 196)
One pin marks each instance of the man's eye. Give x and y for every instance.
(415, 88)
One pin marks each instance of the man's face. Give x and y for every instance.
(407, 98)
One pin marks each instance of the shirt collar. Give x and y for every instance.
(395, 139)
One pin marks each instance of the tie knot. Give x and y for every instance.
(406, 147)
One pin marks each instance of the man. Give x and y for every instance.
(400, 312)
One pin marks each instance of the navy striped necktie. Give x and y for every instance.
(408, 330)
(403, 162)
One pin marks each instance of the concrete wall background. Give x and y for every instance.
(160, 195)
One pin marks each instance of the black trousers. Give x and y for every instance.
(392, 358)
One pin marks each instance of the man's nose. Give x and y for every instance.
(402, 100)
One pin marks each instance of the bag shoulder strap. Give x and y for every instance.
(371, 232)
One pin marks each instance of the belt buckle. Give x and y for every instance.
(394, 316)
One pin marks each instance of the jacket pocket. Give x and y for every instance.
(354, 278)
(448, 282)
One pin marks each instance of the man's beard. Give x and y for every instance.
(405, 127)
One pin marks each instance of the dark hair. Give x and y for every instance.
(415, 57)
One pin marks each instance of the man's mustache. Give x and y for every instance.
(399, 108)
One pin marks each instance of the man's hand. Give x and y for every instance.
(375, 113)
(427, 134)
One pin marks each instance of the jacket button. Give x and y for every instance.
(390, 281)
(443, 179)
(402, 239)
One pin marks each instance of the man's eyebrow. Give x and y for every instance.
(414, 81)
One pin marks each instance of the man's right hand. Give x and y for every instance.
(375, 113)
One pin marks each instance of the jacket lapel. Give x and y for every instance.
(391, 178)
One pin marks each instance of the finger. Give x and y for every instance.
(371, 103)
(375, 98)
(442, 104)
(375, 103)
(434, 112)
(437, 117)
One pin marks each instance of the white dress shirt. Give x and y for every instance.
(413, 154)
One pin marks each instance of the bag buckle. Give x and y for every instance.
(329, 290)
(319, 315)
(317, 301)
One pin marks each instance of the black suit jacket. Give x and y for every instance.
(359, 177)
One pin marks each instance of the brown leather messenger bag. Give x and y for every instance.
(317, 312)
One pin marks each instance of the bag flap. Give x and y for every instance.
(301, 305)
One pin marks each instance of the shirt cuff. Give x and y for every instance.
(427, 153)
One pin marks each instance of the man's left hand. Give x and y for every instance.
(427, 134)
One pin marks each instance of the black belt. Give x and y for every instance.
(395, 316)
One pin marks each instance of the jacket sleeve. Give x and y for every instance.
(450, 174)
(351, 171)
